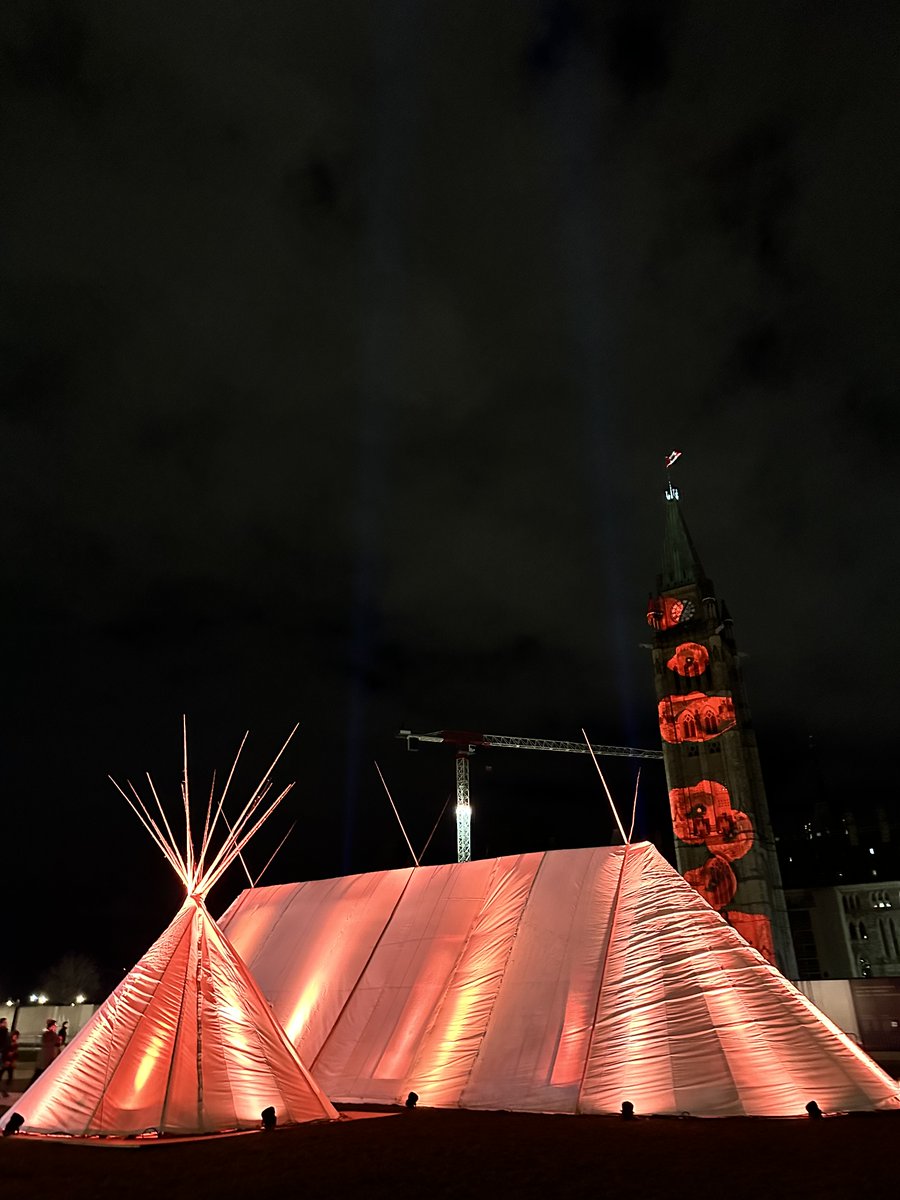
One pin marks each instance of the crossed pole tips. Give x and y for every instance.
(191, 866)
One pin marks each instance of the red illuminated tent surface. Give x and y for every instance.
(566, 981)
(186, 1044)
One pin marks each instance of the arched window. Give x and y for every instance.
(893, 931)
(853, 934)
(863, 932)
(688, 728)
(710, 724)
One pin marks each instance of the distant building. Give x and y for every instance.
(723, 837)
(847, 932)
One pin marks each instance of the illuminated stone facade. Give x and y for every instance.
(847, 932)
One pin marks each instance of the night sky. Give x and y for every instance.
(342, 348)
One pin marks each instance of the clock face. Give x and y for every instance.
(665, 612)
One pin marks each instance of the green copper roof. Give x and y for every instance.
(681, 562)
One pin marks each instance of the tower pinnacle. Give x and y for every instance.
(681, 565)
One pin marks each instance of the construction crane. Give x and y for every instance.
(467, 743)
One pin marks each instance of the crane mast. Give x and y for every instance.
(467, 743)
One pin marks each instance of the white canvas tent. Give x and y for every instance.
(566, 981)
(186, 1044)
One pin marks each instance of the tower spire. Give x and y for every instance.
(681, 563)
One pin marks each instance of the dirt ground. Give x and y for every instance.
(438, 1153)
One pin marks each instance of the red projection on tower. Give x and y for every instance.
(724, 845)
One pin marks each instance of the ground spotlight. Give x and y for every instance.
(627, 1110)
(269, 1119)
(412, 1100)
(14, 1124)
(814, 1111)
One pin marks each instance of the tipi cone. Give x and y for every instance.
(186, 1044)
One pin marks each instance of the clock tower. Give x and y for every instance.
(723, 838)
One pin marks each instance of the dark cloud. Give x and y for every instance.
(340, 358)
(752, 182)
(559, 26)
(763, 356)
(46, 51)
(637, 45)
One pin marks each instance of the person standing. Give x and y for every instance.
(4, 1039)
(63, 1034)
(8, 1064)
(49, 1049)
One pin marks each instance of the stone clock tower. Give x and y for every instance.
(723, 839)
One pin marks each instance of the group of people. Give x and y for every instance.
(52, 1042)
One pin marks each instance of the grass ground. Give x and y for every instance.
(436, 1153)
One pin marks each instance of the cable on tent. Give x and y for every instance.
(396, 814)
(626, 840)
(272, 855)
(637, 784)
(434, 830)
